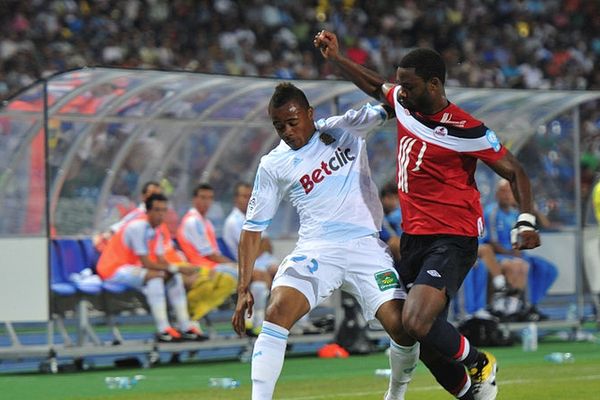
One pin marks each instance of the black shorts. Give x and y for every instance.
(440, 261)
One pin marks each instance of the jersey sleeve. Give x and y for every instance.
(265, 199)
(137, 236)
(357, 122)
(493, 149)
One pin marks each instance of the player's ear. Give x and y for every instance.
(434, 83)
(310, 112)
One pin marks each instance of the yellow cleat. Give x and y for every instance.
(483, 378)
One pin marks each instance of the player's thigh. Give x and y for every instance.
(130, 275)
(314, 269)
(446, 262)
(371, 277)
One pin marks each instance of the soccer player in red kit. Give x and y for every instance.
(438, 148)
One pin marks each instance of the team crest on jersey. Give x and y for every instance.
(386, 280)
(440, 131)
(491, 137)
(326, 138)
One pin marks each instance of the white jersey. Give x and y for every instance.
(232, 229)
(329, 184)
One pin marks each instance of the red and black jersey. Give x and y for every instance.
(437, 156)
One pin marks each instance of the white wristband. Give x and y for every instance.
(526, 217)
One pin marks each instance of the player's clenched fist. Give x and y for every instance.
(327, 42)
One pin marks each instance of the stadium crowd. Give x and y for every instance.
(508, 43)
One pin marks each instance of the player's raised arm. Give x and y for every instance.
(368, 81)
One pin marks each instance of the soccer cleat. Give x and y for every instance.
(483, 377)
(194, 334)
(169, 335)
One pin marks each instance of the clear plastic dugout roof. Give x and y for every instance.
(100, 133)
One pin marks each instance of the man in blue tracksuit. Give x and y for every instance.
(500, 218)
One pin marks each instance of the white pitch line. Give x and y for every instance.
(430, 388)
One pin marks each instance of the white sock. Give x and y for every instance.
(154, 290)
(513, 304)
(178, 300)
(499, 282)
(267, 360)
(403, 361)
(260, 292)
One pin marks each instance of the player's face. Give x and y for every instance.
(203, 200)
(157, 214)
(505, 196)
(242, 198)
(294, 124)
(414, 94)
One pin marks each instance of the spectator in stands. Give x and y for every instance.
(134, 256)
(196, 237)
(539, 45)
(500, 217)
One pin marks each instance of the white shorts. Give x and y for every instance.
(130, 275)
(362, 267)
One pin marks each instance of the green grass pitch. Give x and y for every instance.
(521, 376)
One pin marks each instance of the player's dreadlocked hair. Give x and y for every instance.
(427, 64)
(285, 92)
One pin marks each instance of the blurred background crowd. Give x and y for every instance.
(549, 44)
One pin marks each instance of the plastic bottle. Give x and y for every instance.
(560, 358)
(223, 383)
(384, 373)
(122, 382)
(529, 337)
(571, 315)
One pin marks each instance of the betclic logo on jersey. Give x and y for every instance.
(340, 158)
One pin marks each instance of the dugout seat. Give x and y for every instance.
(63, 297)
(90, 253)
(89, 287)
(116, 298)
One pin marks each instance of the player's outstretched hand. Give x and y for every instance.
(327, 42)
(244, 304)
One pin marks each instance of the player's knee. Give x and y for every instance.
(275, 312)
(415, 326)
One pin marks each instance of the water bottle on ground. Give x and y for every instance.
(560, 358)
(529, 337)
(122, 382)
(223, 383)
(384, 373)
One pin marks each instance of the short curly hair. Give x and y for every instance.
(427, 63)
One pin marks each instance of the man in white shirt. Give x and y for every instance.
(322, 169)
(232, 229)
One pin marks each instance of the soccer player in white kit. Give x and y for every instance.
(322, 169)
